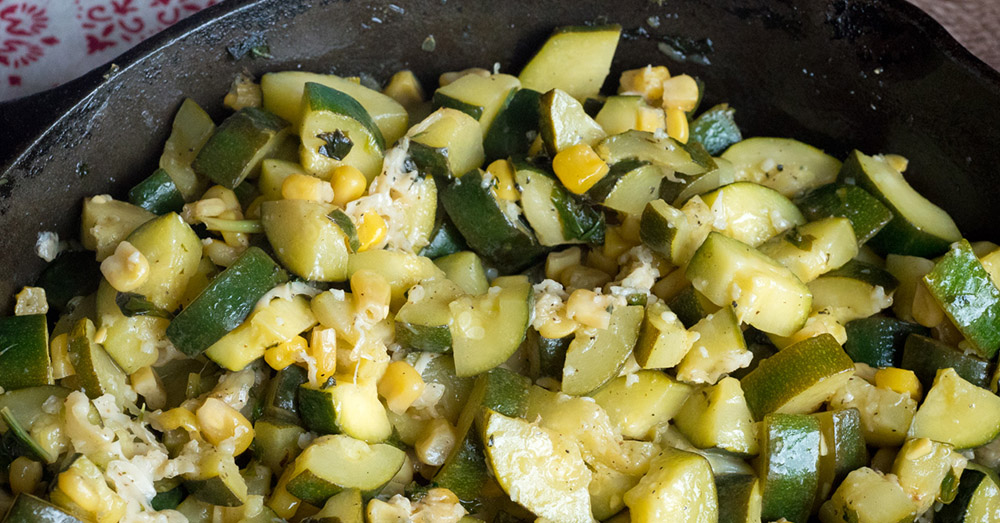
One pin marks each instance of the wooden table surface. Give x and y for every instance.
(974, 23)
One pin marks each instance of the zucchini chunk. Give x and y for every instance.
(751, 213)
(691, 306)
(276, 442)
(929, 471)
(305, 239)
(225, 303)
(626, 112)
(593, 359)
(675, 233)
(191, 129)
(762, 292)
(814, 248)
(844, 442)
(867, 214)
(556, 216)
(717, 416)
(348, 408)
(679, 488)
(400, 268)
(575, 59)
(918, 227)
(174, 252)
(789, 465)
(24, 360)
(513, 128)
(346, 506)
(719, 349)
(424, 321)
(957, 412)
(444, 238)
(157, 194)
(643, 146)
(487, 329)
(480, 97)
(925, 356)
(30, 508)
(466, 270)
(105, 222)
(131, 339)
(739, 498)
(788, 166)
(978, 498)
(334, 463)
(663, 340)
(637, 404)
(448, 143)
(239, 145)
(563, 123)
(629, 192)
(885, 414)
(683, 188)
(337, 130)
(867, 496)
(217, 481)
(880, 341)
(98, 373)
(798, 379)
(963, 288)
(278, 321)
(856, 290)
(716, 129)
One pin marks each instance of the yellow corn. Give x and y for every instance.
(401, 385)
(503, 173)
(148, 384)
(80, 490)
(31, 300)
(126, 269)
(303, 187)
(59, 354)
(220, 422)
(680, 92)
(204, 208)
(559, 326)
(650, 119)
(178, 418)
(557, 262)
(436, 442)
(24, 475)
(902, 381)
(405, 89)
(898, 162)
(229, 199)
(287, 353)
(579, 168)
(677, 124)
(372, 294)
(349, 184)
(323, 349)
(646, 81)
(449, 77)
(371, 231)
(586, 307)
(281, 502)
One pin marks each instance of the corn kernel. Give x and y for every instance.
(31, 300)
(579, 168)
(680, 92)
(436, 442)
(148, 384)
(229, 199)
(440, 496)
(503, 173)
(646, 81)
(372, 294)
(558, 261)
(650, 119)
(349, 184)
(25, 474)
(303, 187)
(903, 381)
(449, 77)
(286, 353)
(586, 307)
(558, 326)
(59, 355)
(220, 422)
(371, 231)
(80, 490)
(178, 418)
(898, 162)
(203, 208)
(323, 349)
(401, 385)
(677, 125)
(126, 269)
(405, 89)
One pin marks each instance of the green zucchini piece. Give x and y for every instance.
(575, 59)
(24, 360)
(607, 487)
(789, 465)
(717, 416)
(510, 134)
(867, 496)
(104, 223)
(481, 97)
(305, 239)
(276, 442)
(856, 290)
(683, 188)
(549, 355)
(845, 448)
(798, 379)
(663, 340)
(523, 455)
(195, 511)
(556, 216)
(964, 289)
(487, 329)
(691, 306)
(173, 251)
(716, 129)
(763, 293)
(98, 373)
(918, 227)
(679, 487)
(217, 481)
(191, 129)
(131, 340)
(400, 268)
(867, 214)
(239, 145)
(790, 167)
(169, 499)
(26, 404)
(814, 248)
(348, 408)
(444, 238)
(885, 414)
(20, 442)
(492, 227)
(619, 113)
(464, 470)
(448, 143)
(925, 356)
(644, 146)
(879, 341)
(638, 402)
(978, 499)
(630, 192)
(739, 498)
(282, 95)
(71, 274)
(563, 123)
(30, 509)
(928, 471)
(337, 130)
(440, 368)
(466, 270)
(594, 358)
(346, 506)
(675, 233)
(225, 303)
(751, 213)
(334, 463)
(157, 194)
(719, 349)
(423, 322)
(281, 394)
(957, 412)
(910, 271)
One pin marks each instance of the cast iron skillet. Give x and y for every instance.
(878, 75)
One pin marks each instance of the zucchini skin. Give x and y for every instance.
(24, 359)
(879, 340)
(232, 152)
(30, 509)
(924, 356)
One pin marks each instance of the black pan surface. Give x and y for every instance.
(878, 75)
